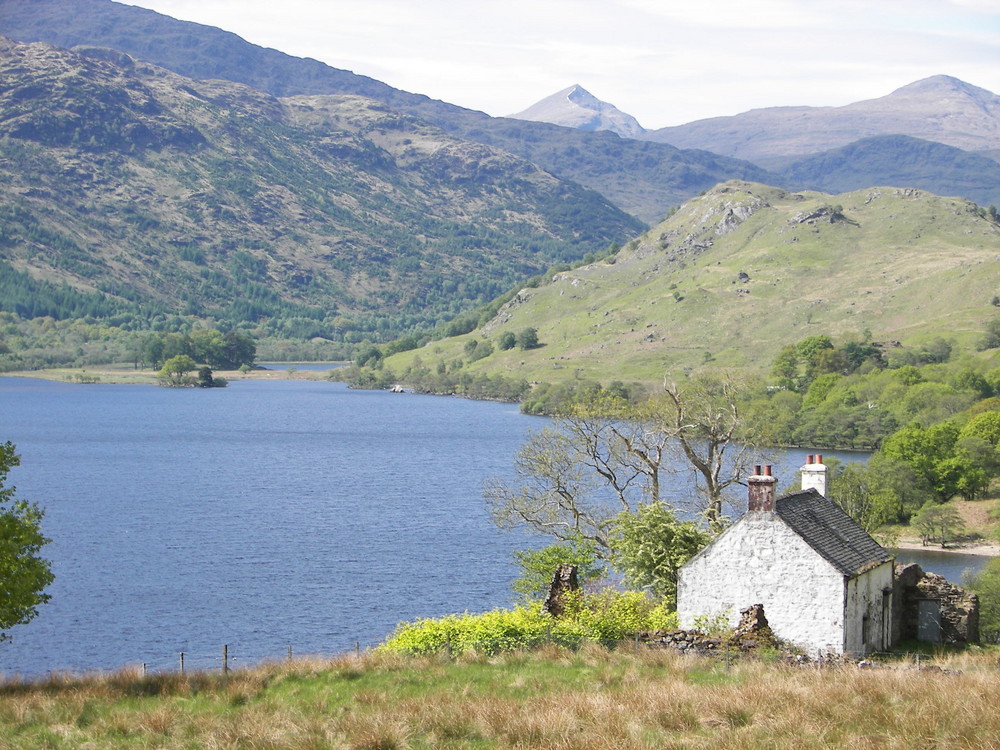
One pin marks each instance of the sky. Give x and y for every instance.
(664, 62)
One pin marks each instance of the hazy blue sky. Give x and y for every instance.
(664, 62)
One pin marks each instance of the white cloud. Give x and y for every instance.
(663, 61)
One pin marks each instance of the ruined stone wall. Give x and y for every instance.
(959, 608)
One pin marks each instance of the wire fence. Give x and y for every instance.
(225, 659)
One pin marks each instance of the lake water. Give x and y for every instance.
(264, 515)
(261, 516)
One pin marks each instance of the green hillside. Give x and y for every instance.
(741, 271)
(128, 190)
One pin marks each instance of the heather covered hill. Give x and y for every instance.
(125, 186)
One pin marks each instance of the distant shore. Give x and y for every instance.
(987, 549)
(125, 375)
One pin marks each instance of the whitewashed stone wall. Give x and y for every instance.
(865, 596)
(761, 560)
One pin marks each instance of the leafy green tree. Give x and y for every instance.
(238, 349)
(938, 523)
(507, 340)
(786, 367)
(24, 573)
(906, 491)
(650, 546)
(527, 338)
(205, 379)
(175, 344)
(971, 381)
(986, 583)
(176, 369)
(370, 356)
(207, 346)
(991, 338)
(931, 454)
(985, 426)
(538, 566)
(863, 495)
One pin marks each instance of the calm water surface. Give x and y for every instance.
(262, 515)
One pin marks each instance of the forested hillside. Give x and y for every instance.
(129, 191)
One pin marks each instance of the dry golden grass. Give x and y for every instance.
(592, 699)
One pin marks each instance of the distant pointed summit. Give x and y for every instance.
(576, 107)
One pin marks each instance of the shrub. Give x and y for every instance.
(537, 566)
(507, 340)
(608, 617)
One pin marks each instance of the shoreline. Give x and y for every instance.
(985, 549)
(109, 375)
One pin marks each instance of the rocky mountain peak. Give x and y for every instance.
(575, 107)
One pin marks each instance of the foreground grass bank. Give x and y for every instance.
(553, 698)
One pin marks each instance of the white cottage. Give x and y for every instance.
(825, 584)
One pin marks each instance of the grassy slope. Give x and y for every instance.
(556, 699)
(904, 264)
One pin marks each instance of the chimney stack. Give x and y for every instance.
(761, 490)
(814, 474)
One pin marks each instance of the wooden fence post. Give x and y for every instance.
(225, 659)
(182, 662)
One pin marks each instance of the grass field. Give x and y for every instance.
(592, 698)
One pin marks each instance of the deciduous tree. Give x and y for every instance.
(604, 457)
(652, 544)
(714, 435)
(175, 370)
(23, 572)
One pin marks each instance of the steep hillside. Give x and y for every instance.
(644, 179)
(940, 108)
(745, 269)
(576, 107)
(141, 188)
(900, 160)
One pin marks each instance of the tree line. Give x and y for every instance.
(222, 351)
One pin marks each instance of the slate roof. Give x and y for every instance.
(830, 531)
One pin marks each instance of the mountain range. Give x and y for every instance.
(642, 178)
(940, 108)
(150, 166)
(939, 134)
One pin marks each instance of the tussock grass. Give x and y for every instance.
(587, 699)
